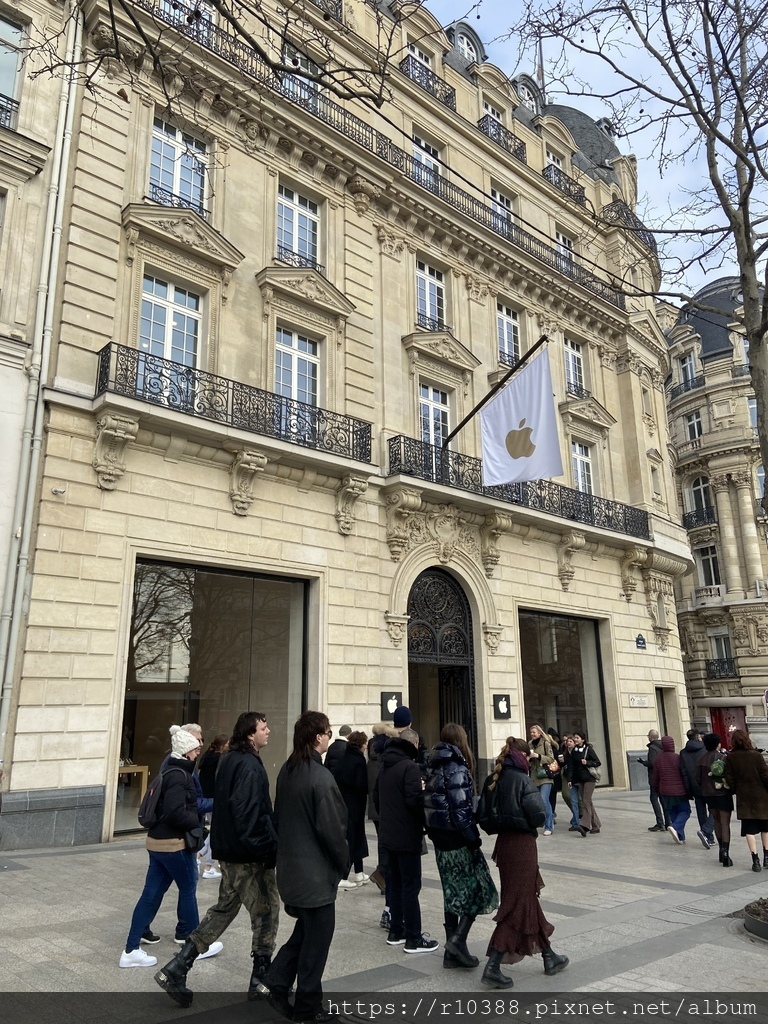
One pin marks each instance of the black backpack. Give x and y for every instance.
(488, 813)
(149, 810)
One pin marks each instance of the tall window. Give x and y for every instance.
(170, 321)
(298, 228)
(433, 412)
(702, 496)
(177, 167)
(687, 368)
(693, 426)
(581, 458)
(760, 476)
(430, 297)
(564, 245)
(426, 159)
(300, 89)
(466, 47)
(709, 569)
(501, 204)
(554, 159)
(420, 55)
(752, 406)
(11, 38)
(296, 366)
(721, 647)
(508, 333)
(574, 368)
(492, 111)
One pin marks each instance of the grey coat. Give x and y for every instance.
(312, 852)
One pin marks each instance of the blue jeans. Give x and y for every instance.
(544, 790)
(163, 869)
(679, 812)
(575, 804)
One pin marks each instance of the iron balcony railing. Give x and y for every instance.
(502, 137)
(618, 212)
(430, 323)
(297, 259)
(332, 7)
(9, 112)
(687, 385)
(759, 510)
(508, 358)
(565, 184)
(352, 127)
(158, 194)
(577, 390)
(126, 371)
(428, 80)
(742, 370)
(464, 472)
(699, 517)
(721, 668)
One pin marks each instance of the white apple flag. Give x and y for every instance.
(519, 429)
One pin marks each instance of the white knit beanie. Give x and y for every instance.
(182, 742)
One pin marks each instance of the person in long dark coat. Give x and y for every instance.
(747, 776)
(352, 779)
(718, 797)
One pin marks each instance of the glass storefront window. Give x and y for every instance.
(562, 679)
(204, 646)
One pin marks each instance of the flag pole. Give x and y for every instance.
(496, 387)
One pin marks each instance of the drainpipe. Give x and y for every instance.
(32, 433)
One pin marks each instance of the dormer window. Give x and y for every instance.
(492, 111)
(420, 55)
(466, 47)
(527, 98)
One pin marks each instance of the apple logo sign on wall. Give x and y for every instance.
(391, 700)
(392, 704)
(501, 707)
(519, 443)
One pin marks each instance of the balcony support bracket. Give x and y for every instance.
(113, 435)
(246, 465)
(397, 627)
(571, 542)
(634, 558)
(493, 527)
(347, 493)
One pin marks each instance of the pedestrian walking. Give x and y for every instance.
(571, 795)
(557, 780)
(400, 800)
(660, 812)
(468, 888)
(312, 858)
(746, 774)
(244, 840)
(719, 799)
(206, 772)
(689, 758)
(542, 761)
(668, 779)
(381, 733)
(584, 764)
(352, 779)
(521, 927)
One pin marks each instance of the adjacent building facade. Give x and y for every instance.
(272, 306)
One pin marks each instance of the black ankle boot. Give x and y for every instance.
(765, 858)
(173, 977)
(726, 858)
(552, 962)
(456, 945)
(756, 865)
(492, 974)
(450, 925)
(261, 962)
(720, 851)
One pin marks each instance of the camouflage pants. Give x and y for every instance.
(252, 886)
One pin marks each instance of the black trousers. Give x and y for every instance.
(303, 957)
(662, 816)
(403, 888)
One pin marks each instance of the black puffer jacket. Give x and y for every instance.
(399, 797)
(448, 800)
(520, 804)
(178, 801)
(242, 827)
(689, 758)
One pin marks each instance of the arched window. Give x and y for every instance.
(760, 475)
(527, 97)
(702, 496)
(466, 47)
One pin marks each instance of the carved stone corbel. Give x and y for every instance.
(347, 493)
(573, 541)
(363, 191)
(490, 531)
(397, 627)
(113, 435)
(634, 559)
(401, 504)
(242, 472)
(492, 636)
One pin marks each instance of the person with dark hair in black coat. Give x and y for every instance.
(352, 779)
(690, 755)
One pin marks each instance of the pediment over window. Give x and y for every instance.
(306, 286)
(21, 158)
(440, 346)
(587, 411)
(179, 228)
(655, 456)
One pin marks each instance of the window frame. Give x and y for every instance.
(415, 51)
(491, 110)
(693, 420)
(430, 405)
(303, 208)
(700, 493)
(466, 47)
(582, 461)
(184, 158)
(527, 97)
(507, 321)
(428, 279)
(16, 47)
(574, 363)
(708, 565)
(554, 159)
(687, 368)
(297, 356)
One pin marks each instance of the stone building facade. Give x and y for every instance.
(272, 305)
(722, 606)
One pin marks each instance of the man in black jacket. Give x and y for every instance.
(337, 750)
(244, 841)
(689, 757)
(399, 796)
(654, 749)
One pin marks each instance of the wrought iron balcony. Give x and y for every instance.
(618, 212)
(429, 323)
(9, 111)
(502, 137)
(699, 517)
(742, 370)
(296, 259)
(332, 7)
(158, 194)
(464, 472)
(428, 80)
(576, 390)
(126, 371)
(508, 358)
(759, 510)
(721, 668)
(237, 53)
(687, 385)
(565, 184)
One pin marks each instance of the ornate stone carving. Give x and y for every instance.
(492, 636)
(401, 505)
(391, 244)
(490, 531)
(750, 632)
(347, 493)
(113, 435)
(363, 191)
(252, 134)
(573, 541)
(629, 361)
(397, 627)
(649, 422)
(634, 558)
(478, 288)
(719, 483)
(659, 591)
(607, 357)
(445, 524)
(242, 473)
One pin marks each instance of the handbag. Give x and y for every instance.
(194, 840)
(488, 810)
(594, 772)
(541, 773)
(552, 769)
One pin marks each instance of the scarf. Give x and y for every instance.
(516, 759)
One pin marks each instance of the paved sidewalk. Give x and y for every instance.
(633, 911)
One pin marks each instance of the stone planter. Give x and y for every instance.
(755, 925)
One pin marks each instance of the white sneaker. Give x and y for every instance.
(211, 872)
(213, 950)
(137, 958)
(361, 878)
(345, 884)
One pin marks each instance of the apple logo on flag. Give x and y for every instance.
(392, 704)
(519, 443)
(503, 705)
